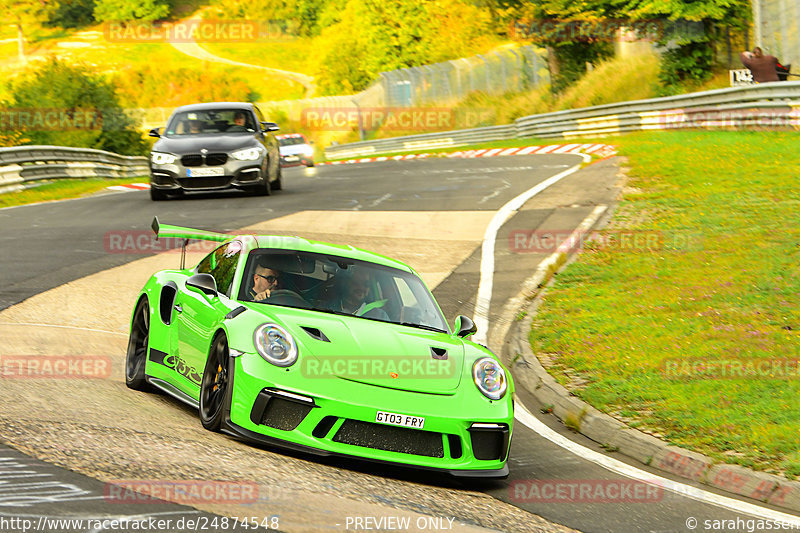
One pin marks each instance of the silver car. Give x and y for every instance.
(214, 146)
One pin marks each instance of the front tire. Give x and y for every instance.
(214, 397)
(277, 185)
(138, 345)
(157, 195)
(265, 189)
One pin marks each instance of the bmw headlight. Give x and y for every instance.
(308, 151)
(160, 158)
(275, 344)
(248, 154)
(490, 378)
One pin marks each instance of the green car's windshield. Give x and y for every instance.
(339, 285)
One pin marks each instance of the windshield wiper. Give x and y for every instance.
(422, 326)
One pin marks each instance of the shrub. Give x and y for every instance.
(67, 105)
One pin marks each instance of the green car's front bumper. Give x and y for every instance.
(464, 433)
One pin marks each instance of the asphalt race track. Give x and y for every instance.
(69, 274)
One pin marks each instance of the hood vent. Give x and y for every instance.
(316, 334)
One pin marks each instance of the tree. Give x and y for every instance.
(690, 30)
(72, 14)
(22, 14)
(71, 106)
(130, 10)
(373, 36)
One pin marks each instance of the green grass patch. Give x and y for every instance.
(620, 79)
(720, 282)
(156, 69)
(62, 190)
(285, 54)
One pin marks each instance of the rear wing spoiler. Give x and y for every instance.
(165, 230)
(187, 234)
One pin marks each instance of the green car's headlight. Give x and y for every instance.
(275, 344)
(490, 378)
(248, 154)
(160, 158)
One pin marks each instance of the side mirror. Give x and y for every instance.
(269, 126)
(154, 132)
(204, 283)
(464, 326)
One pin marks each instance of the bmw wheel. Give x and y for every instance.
(277, 185)
(265, 189)
(157, 195)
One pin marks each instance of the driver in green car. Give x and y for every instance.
(265, 280)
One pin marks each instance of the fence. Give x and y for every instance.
(768, 105)
(21, 167)
(510, 68)
(498, 72)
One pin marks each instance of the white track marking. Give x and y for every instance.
(526, 418)
(485, 286)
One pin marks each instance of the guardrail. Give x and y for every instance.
(766, 105)
(424, 141)
(22, 166)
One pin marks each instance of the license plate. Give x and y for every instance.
(394, 419)
(292, 158)
(203, 172)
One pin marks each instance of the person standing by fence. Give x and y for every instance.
(764, 67)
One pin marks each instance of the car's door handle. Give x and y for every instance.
(178, 308)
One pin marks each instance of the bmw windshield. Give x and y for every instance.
(214, 121)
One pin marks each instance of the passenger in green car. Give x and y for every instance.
(354, 297)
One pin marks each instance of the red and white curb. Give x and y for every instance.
(129, 187)
(599, 150)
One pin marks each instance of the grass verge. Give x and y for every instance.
(62, 190)
(691, 331)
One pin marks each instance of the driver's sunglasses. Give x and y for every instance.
(270, 279)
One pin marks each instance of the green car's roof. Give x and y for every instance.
(326, 248)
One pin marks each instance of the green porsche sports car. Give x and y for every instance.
(323, 348)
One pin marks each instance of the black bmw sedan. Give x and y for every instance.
(213, 146)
